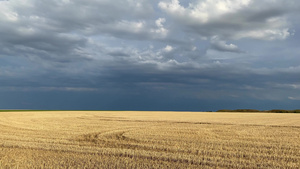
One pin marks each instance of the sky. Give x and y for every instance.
(197, 55)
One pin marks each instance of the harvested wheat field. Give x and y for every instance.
(123, 139)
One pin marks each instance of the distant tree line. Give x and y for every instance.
(264, 111)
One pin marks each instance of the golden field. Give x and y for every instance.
(132, 139)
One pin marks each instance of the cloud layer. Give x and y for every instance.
(201, 50)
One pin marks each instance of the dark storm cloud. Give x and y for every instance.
(157, 52)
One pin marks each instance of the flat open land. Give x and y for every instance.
(128, 139)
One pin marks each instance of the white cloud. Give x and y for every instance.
(159, 22)
(203, 11)
(294, 98)
(232, 19)
(127, 26)
(6, 13)
(193, 48)
(168, 48)
(267, 34)
(160, 31)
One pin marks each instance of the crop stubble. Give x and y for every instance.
(128, 139)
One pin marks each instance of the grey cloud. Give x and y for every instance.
(194, 81)
(118, 53)
(236, 19)
(61, 27)
(129, 50)
(222, 46)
